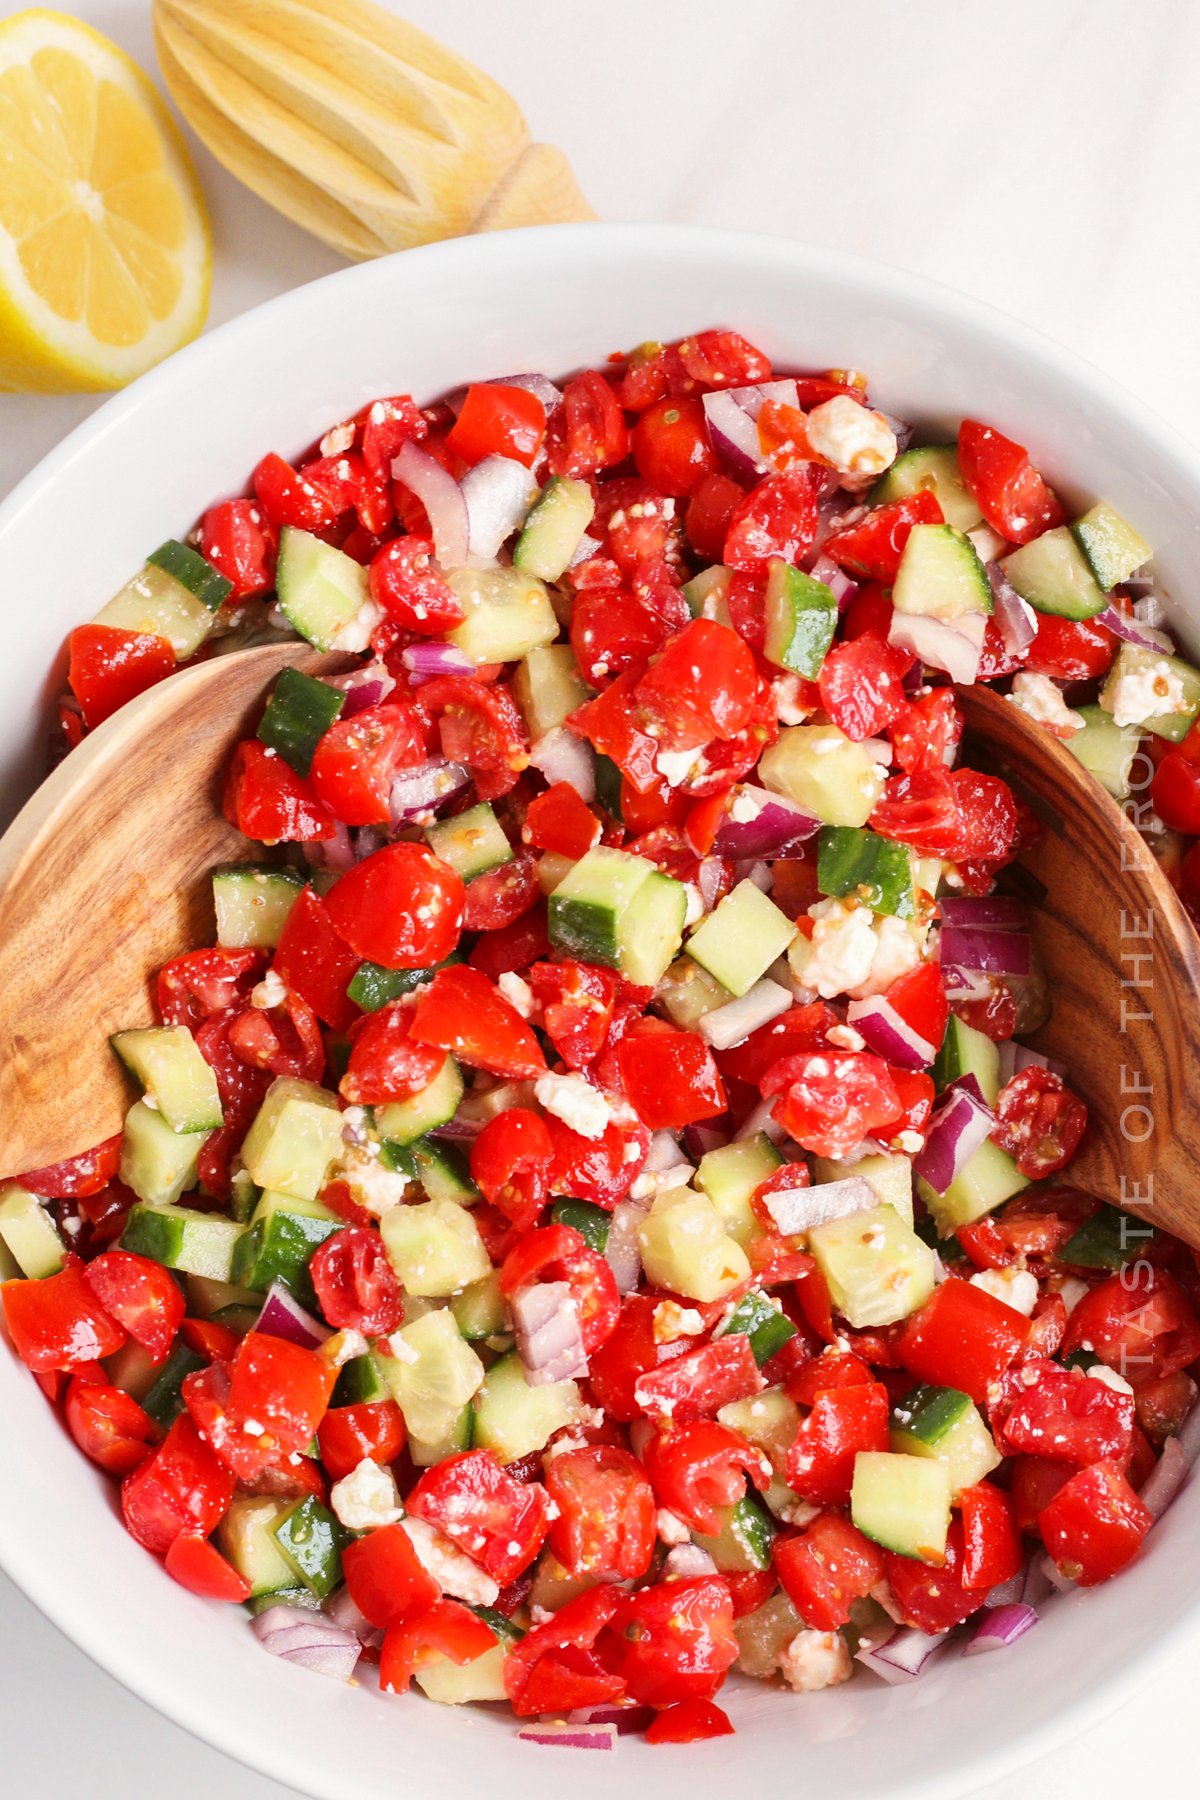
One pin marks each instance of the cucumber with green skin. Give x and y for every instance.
(252, 903)
(744, 1540)
(402, 1122)
(159, 1164)
(989, 1178)
(876, 870)
(944, 1423)
(373, 987)
(1052, 574)
(554, 528)
(28, 1232)
(591, 1222)
(297, 716)
(801, 618)
(1133, 660)
(617, 909)
(196, 1243)
(767, 1328)
(472, 842)
(965, 1051)
(738, 942)
(167, 1061)
(311, 1540)
(163, 1400)
(193, 572)
(1111, 547)
(321, 590)
(940, 575)
(283, 1236)
(1107, 749)
(902, 1502)
(933, 469)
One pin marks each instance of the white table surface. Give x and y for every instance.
(1038, 153)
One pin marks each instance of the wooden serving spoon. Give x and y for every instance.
(103, 878)
(360, 128)
(1123, 962)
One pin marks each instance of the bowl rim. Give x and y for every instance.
(996, 1757)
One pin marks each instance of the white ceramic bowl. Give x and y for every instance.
(142, 469)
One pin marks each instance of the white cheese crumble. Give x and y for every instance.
(455, 1573)
(840, 952)
(1038, 697)
(896, 952)
(518, 993)
(745, 807)
(670, 1528)
(1111, 1379)
(845, 1037)
(695, 909)
(815, 1660)
(574, 1101)
(269, 992)
(376, 1189)
(1150, 692)
(343, 1347)
(1072, 1291)
(854, 439)
(355, 634)
(672, 1321)
(401, 1349)
(676, 765)
(1015, 1287)
(366, 1498)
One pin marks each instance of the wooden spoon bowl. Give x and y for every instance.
(103, 879)
(1123, 962)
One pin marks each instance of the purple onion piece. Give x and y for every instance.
(958, 1128)
(1001, 1626)
(698, 1140)
(989, 951)
(561, 756)
(733, 1023)
(954, 647)
(571, 1737)
(425, 789)
(1015, 619)
(753, 399)
(310, 1640)
(429, 658)
(624, 1718)
(1132, 631)
(1000, 911)
(549, 1339)
(774, 827)
(888, 1034)
(903, 1656)
(283, 1316)
(499, 492)
(734, 436)
(1165, 1480)
(797, 1210)
(535, 383)
(442, 499)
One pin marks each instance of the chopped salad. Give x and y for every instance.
(589, 1221)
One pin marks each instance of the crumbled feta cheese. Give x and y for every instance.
(574, 1101)
(1072, 1291)
(355, 634)
(988, 544)
(366, 1497)
(1111, 1379)
(815, 1660)
(854, 439)
(252, 1428)
(343, 1347)
(518, 993)
(401, 1349)
(800, 1513)
(338, 439)
(840, 952)
(354, 1125)
(1037, 696)
(1150, 692)
(455, 1573)
(671, 1530)
(672, 1321)
(745, 807)
(1016, 1287)
(695, 909)
(685, 1561)
(269, 992)
(676, 765)
(845, 1037)
(909, 1141)
(895, 953)
(372, 1187)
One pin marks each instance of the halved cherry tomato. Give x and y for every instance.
(511, 1161)
(678, 1641)
(1094, 1525)
(601, 1169)
(387, 1581)
(713, 503)
(355, 1284)
(480, 726)
(199, 1566)
(861, 685)
(58, 1322)
(873, 546)
(140, 1295)
(387, 1063)
(932, 1596)
(699, 1467)
(963, 1338)
(586, 432)
(499, 1522)
(826, 1568)
(776, 518)
(286, 1039)
(701, 687)
(688, 1721)
(701, 1381)
(1039, 1121)
(448, 1631)
(671, 446)
(405, 580)
(372, 1429)
(109, 666)
(315, 961)
(843, 1421)
(554, 1667)
(605, 1528)
(497, 420)
(670, 1077)
(833, 1099)
(991, 1547)
(560, 820)
(502, 896)
(78, 1176)
(355, 763)
(512, 947)
(201, 983)
(462, 1012)
(1070, 649)
(577, 1007)
(266, 800)
(401, 907)
(290, 498)
(181, 1488)
(235, 538)
(1139, 1322)
(1010, 493)
(109, 1426)
(559, 1253)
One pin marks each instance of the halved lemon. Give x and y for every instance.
(105, 252)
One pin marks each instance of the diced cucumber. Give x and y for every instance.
(180, 1238)
(876, 870)
(768, 1421)
(252, 904)
(481, 1311)
(941, 1422)
(298, 1598)
(1147, 666)
(402, 1122)
(360, 1382)
(940, 575)
(608, 787)
(930, 468)
(591, 1222)
(902, 1502)
(764, 1634)
(427, 1452)
(311, 1540)
(1108, 1240)
(513, 1419)
(764, 1324)
(1052, 574)
(433, 1377)
(454, 1684)
(965, 1051)
(555, 526)
(321, 590)
(1111, 547)
(686, 1248)
(163, 1399)
(155, 602)
(548, 688)
(157, 1163)
(738, 942)
(1106, 749)
(707, 594)
(243, 1196)
(650, 930)
(687, 992)
(246, 1535)
(28, 1232)
(729, 1177)
(876, 1267)
(444, 1172)
(472, 842)
(282, 1237)
(167, 1061)
(296, 1134)
(434, 1247)
(819, 768)
(587, 904)
(508, 614)
(298, 714)
(801, 618)
(373, 987)
(744, 1540)
(193, 572)
(989, 1178)
(890, 1176)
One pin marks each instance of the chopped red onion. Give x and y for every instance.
(685, 1561)
(535, 383)
(989, 951)
(336, 852)
(761, 1118)
(1165, 1480)
(709, 879)
(429, 658)
(1145, 637)
(903, 1655)
(734, 435)
(1006, 1593)
(956, 648)
(309, 1639)
(1015, 619)
(561, 756)
(797, 1210)
(587, 546)
(499, 492)
(623, 1250)
(732, 1023)
(1036, 1585)
(345, 1613)
(901, 431)
(698, 1140)
(878, 749)
(442, 499)
(843, 587)
(1000, 911)
(758, 823)
(283, 1316)
(758, 874)
(966, 984)
(753, 399)
(888, 1034)
(624, 1718)
(364, 687)
(957, 1129)
(664, 1153)
(1189, 1436)
(425, 789)
(549, 1340)
(1000, 1626)
(1014, 1057)
(571, 1737)
(1062, 1584)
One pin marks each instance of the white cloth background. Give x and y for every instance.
(1037, 153)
